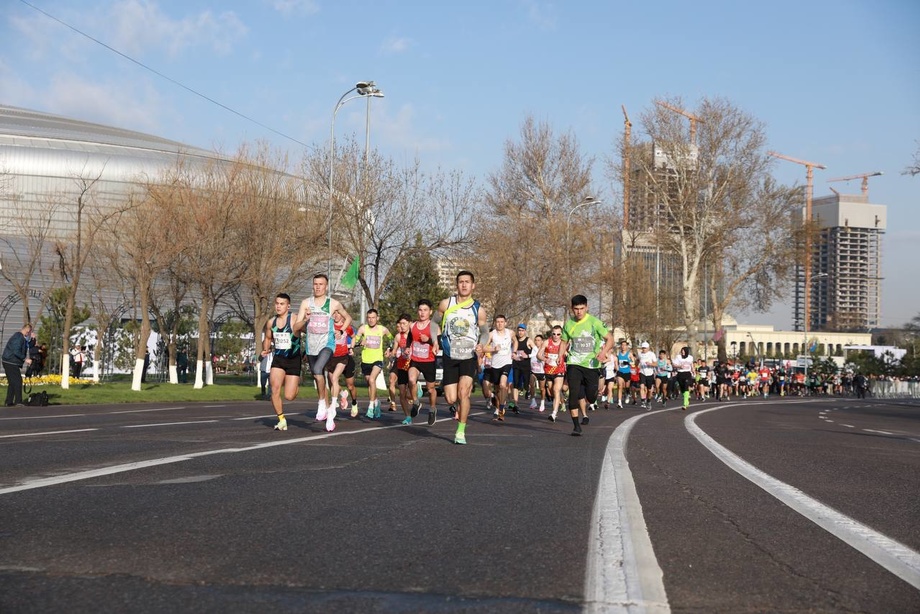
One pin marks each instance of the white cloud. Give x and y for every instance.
(398, 131)
(295, 7)
(396, 44)
(140, 25)
(541, 14)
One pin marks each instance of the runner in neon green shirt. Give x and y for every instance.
(586, 344)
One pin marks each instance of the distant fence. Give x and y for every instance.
(894, 389)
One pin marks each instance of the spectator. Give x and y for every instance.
(182, 366)
(265, 366)
(77, 359)
(146, 366)
(15, 354)
(37, 354)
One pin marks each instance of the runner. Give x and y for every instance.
(520, 367)
(335, 368)
(282, 333)
(423, 339)
(536, 370)
(647, 364)
(399, 374)
(663, 376)
(552, 353)
(610, 378)
(683, 364)
(625, 360)
(374, 337)
(463, 334)
(318, 312)
(503, 345)
(587, 343)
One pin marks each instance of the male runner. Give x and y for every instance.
(318, 312)
(463, 333)
(625, 360)
(335, 368)
(503, 345)
(552, 353)
(374, 336)
(587, 344)
(647, 364)
(402, 359)
(423, 347)
(520, 367)
(283, 332)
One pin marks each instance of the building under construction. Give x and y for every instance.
(846, 265)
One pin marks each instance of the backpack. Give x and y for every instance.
(39, 399)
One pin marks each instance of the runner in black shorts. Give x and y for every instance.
(282, 337)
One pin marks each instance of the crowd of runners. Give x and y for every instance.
(575, 367)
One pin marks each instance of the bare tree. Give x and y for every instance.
(716, 207)
(380, 209)
(913, 169)
(278, 220)
(89, 218)
(536, 201)
(27, 237)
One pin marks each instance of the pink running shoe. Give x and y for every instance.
(330, 420)
(343, 400)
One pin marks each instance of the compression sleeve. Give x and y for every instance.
(483, 334)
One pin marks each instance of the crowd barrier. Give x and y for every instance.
(894, 389)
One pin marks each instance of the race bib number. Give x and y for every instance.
(319, 323)
(551, 359)
(283, 340)
(583, 345)
(372, 343)
(461, 349)
(420, 351)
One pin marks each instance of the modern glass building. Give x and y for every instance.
(49, 166)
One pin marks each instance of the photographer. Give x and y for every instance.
(15, 354)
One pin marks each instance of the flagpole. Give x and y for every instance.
(338, 278)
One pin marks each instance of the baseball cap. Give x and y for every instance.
(522, 325)
(645, 345)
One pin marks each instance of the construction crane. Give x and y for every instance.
(627, 130)
(693, 118)
(809, 189)
(863, 176)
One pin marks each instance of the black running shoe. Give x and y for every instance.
(577, 431)
(432, 415)
(414, 411)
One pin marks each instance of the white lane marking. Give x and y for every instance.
(912, 439)
(890, 554)
(24, 417)
(879, 432)
(30, 484)
(849, 426)
(47, 433)
(831, 421)
(147, 426)
(209, 406)
(143, 411)
(622, 573)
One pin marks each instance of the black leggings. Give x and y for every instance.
(318, 363)
(684, 380)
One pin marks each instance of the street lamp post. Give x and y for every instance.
(364, 89)
(588, 200)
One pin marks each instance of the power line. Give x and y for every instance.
(166, 77)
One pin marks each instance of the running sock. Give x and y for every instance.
(461, 428)
(575, 421)
(687, 398)
(281, 416)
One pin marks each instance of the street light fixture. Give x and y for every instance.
(364, 89)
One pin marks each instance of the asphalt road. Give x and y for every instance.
(205, 508)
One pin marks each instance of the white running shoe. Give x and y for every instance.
(343, 400)
(533, 404)
(321, 411)
(330, 420)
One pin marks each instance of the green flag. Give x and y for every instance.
(351, 275)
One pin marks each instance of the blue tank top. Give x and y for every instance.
(623, 362)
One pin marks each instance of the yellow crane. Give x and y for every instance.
(693, 118)
(863, 176)
(809, 188)
(627, 130)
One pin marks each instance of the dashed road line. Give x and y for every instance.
(147, 426)
(47, 433)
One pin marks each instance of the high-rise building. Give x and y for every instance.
(845, 293)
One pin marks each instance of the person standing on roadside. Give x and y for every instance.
(464, 332)
(15, 355)
(587, 343)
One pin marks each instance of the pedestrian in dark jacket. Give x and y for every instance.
(16, 354)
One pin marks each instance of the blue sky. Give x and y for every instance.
(835, 81)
